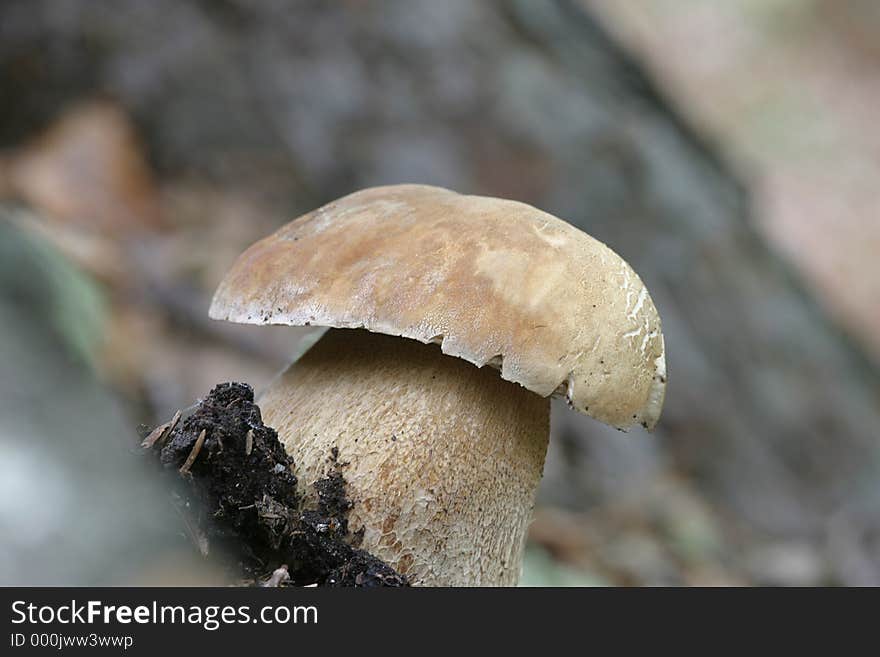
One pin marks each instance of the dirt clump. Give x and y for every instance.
(237, 495)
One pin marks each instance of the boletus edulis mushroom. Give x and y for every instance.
(453, 321)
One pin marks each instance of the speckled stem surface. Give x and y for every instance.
(442, 458)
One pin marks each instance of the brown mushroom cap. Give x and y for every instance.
(494, 282)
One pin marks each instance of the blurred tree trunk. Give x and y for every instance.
(770, 409)
(79, 508)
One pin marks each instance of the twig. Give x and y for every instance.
(160, 433)
(184, 469)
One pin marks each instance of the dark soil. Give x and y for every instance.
(238, 497)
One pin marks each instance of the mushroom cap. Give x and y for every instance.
(494, 282)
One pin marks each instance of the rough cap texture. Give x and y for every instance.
(494, 282)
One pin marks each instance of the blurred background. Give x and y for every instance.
(728, 151)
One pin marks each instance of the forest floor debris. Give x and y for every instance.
(239, 500)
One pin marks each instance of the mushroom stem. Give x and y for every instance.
(442, 458)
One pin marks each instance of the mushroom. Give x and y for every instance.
(442, 455)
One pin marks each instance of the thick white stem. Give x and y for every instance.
(442, 458)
